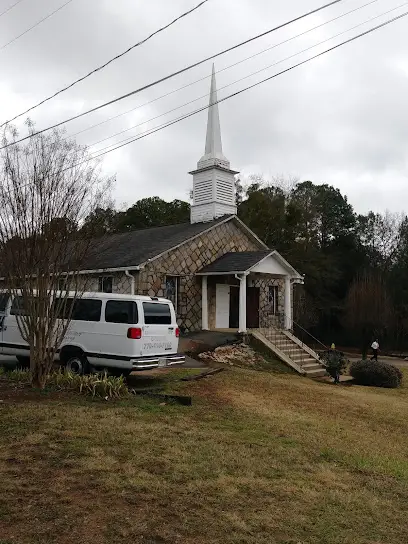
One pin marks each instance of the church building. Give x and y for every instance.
(216, 271)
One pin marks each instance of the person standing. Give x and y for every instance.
(375, 346)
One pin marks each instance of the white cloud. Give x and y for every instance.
(338, 120)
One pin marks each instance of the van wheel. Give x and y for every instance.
(23, 361)
(77, 364)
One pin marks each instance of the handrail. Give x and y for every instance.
(282, 317)
(309, 334)
(282, 314)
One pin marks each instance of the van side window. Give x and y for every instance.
(17, 308)
(87, 310)
(121, 311)
(4, 298)
(83, 309)
(156, 314)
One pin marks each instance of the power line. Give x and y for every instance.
(224, 69)
(250, 75)
(170, 76)
(109, 61)
(195, 112)
(10, 8)
(36, 24)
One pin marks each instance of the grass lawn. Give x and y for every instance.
(260, 458)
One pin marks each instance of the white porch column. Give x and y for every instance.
(242, 304)
(204, 304)
(288, 304)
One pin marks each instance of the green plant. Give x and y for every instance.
(376, 374)
(19, 375)
(335, 363)
(95, 385)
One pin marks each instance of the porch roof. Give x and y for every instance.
(235, 263)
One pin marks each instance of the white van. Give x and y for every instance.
(122, 333)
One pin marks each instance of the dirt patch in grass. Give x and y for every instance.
(12, 392)
(259, 458)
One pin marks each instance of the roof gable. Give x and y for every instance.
(235, 263)
(133, 249)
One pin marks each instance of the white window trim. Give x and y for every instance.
(101, 280)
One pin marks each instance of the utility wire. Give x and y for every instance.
(250, 75)
(10, 8)
(222, 69)
(195, 112)
(170, 76)
(108, 62)
(36, 24)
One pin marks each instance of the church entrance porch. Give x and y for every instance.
(252, 302)
(227, 299)
(247, 290)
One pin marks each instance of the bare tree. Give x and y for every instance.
(380, 234)
(48, 186)
(369, 309)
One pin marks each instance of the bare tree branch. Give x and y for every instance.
(47, 189)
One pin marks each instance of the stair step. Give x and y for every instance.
(305, 357)
(312, 366)
(316, 373)
(293, 352)
(286, 345)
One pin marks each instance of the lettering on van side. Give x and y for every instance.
(157, 346)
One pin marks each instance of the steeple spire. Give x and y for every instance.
(213, 145)
(213, 181)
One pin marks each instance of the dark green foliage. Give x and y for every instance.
(335, 362)
(376, 374)
(354, 265)
(153, 212)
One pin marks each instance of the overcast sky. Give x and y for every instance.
(341, 119)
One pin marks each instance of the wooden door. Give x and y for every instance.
(234, 308)
(222, 306)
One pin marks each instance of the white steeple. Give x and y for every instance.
(213, 181)
(213, 142)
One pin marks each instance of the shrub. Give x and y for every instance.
(335, 362)
(376, 374)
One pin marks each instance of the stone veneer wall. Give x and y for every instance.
(266, 318)
(121, 284)
(188, 259)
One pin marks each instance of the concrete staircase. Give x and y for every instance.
(289, 349)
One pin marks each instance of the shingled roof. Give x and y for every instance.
(131, 249)
(235, 263)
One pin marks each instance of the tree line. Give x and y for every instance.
(55, 201)
(355, 265)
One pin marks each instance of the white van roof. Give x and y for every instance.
(110, 296)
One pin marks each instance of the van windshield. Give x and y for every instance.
(156, 314)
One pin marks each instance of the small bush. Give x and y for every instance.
(335, 363)
(376, 374)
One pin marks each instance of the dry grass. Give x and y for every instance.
(260, 458)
